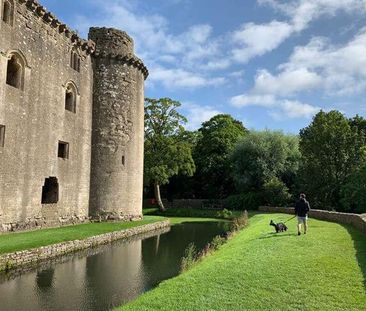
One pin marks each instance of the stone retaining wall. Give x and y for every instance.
(36, 255)
(356, 220)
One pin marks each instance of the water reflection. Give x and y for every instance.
(104, 277)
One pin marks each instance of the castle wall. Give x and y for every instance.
(35, 121)
(118, 127)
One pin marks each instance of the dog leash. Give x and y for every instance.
(289, 219)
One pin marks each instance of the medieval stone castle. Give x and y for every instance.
(71, 121)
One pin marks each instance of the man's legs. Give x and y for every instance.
(305, 226)
(298, 227)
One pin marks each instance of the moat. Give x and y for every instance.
(107, 276)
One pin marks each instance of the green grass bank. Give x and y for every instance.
(261, 270)
(13, 242)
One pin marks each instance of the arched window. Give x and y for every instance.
(15, 71)
(70, 97)
(8, 12)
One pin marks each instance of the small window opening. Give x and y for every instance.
(123, 160)
(50, 191)
(14, 74)
(8, 12)
(63, 150)
(70, 100)
(75, 61)
(2, 135)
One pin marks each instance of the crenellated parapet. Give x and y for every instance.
(116, 44)
(47, 17)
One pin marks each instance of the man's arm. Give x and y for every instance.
(307, 206)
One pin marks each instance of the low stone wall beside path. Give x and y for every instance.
(36, 255)
(356, 220)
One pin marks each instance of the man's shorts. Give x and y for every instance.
(302, 220)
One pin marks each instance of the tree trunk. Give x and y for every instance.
(157, 196)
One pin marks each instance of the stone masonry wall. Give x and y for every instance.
(357, 221)
(36, 120)
(118, 127)
(33, 256)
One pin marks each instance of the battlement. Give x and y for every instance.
(114, 41)
(48, 18)
(117, 44)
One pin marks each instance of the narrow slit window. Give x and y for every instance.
(8, 12)
(123, 160)
(50, 191)
(2, 135)
(75, 61)
(63, 150)
(15, 73)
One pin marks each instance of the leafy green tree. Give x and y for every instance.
(331, 150)
(359, 123)
(353, 192)
(275, 192)
(261, 157)
(218, 138)
(168, 150)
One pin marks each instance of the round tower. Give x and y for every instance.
(116, 183)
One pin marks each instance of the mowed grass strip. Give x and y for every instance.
(13, 242)
(260, 270)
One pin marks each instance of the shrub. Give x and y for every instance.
(189, 258)
(244, 201)
(275, 193)
(217, 242)
(226, 214)
(240, 222)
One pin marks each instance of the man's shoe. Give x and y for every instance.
(298, 233)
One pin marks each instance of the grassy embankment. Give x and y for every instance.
(13, 242)
(26, 240)
(260, 270)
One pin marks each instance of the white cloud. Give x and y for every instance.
(319, 65)
(255, 40)
(253, 100)
(196, 115)
(287, 82)
(179, 78)
(277, 108)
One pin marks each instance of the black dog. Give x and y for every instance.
(280, 227)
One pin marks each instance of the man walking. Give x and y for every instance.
(302, 208)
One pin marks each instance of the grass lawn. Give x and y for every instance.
(13, 242)
(260, 270)
(26, 240)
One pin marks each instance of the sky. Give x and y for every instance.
(270, 64)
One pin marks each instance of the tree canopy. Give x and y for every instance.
(168, 147)
(331, 150)
(217, 140)
(266, 162)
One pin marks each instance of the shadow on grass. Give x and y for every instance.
(276, 235)
(359, 241)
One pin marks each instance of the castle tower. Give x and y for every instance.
(118, 127)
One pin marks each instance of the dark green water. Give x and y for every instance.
(105, 277)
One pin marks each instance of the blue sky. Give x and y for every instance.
(271, 64)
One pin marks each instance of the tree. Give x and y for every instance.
(167, 145)
(266, 161)
(331, 150)
(359, 123)
(353, 192)
(218, 138)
